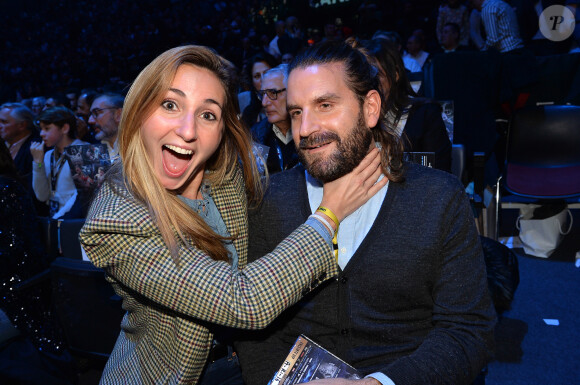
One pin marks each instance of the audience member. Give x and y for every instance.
(18, 132)
(72, 95)
(280, 29)
(52, 181)
(415, 50)
(38, 104)
(454, 12)
(411, 303)
(293, 40)
(29, 341)
(274, 132)
(84, 103)
(250, 104)
(411, 64)
(476, 29)
(56, 100)
(450, 39)
(417, 120)
(169, 226)
(501, 25)
(105, 117)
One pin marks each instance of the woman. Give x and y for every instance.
(250, 103)
(51, 177)
(417, 120)
(169, 225)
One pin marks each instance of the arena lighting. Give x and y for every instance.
(322, 3)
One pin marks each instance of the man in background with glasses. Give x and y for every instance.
(104, 119)
(274, 132)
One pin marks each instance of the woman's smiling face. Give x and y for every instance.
(186, 129)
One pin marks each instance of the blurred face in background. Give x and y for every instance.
(258, 70)
(11, 129)
(413, 45)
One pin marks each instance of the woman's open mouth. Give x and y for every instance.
(175, 159)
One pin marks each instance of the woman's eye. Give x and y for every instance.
(169, 105)
(208, 116)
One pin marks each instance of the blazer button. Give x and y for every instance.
(344, 332)
(322, 276)
(343, 279)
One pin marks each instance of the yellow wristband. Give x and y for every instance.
(38, 165)
(329, 214)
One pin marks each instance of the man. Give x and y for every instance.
(501, 25)
(450, 38)
(18, 132)
(105, 116)
(274, 132)
(411, 303)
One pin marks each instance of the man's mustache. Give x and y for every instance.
(317, 139)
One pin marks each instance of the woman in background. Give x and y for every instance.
(418, 120)
(250, 102)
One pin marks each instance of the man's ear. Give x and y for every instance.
(372, 108)
(65, 128)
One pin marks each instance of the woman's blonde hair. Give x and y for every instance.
(176, 221)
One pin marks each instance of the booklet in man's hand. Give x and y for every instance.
(308, 361)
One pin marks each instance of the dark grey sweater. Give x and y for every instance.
(412, 302)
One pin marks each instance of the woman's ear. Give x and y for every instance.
(372, 108)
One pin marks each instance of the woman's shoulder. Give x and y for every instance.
(114, 201)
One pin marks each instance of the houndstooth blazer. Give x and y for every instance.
(166, 336)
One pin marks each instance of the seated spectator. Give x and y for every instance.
(287, 58)
(454, 12)
(415, 50)
(56, 100)
(450, 39)
(72, 95)
(17, 131)
(105, 117)
(280, 28)
(83, 112)
(274, 132)
(52, 181)
(410, 64)
(29, 342)
(250, 104)
(38, 103)
(417, 120)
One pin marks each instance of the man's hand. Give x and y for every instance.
(342, 381)
(37, 151)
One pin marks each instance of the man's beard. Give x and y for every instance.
(349, 152)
